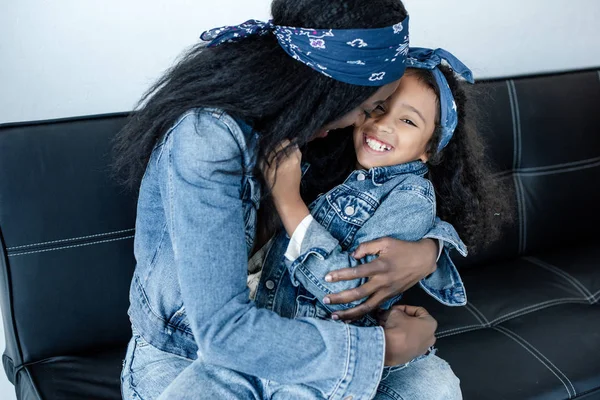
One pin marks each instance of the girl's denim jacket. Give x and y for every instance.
(395, 201)
(195, 228)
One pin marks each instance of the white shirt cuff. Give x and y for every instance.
(441, 248)
(293, 249)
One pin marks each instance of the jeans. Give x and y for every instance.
(149, 373)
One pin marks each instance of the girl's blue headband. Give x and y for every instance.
(430, 59)
(364, 57)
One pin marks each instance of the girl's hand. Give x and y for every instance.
(283, 173)
(400, 266)
(409, 332)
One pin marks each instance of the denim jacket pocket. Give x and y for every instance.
(351, 205)
(350, 209)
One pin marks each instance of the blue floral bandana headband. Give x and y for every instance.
(430, 59)
(364, 57)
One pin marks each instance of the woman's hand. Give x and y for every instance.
(409, 332)
(398, 267)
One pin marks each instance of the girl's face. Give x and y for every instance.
(357, 116)
(398, 130)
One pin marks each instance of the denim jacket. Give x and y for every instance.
(195, 227)
(395, 201)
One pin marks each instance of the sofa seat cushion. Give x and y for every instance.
(531, 328)
(86, 376)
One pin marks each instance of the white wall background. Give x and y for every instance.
(77, 57)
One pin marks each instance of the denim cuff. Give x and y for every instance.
(366, 358)
(445, 284)
(444, 232)
(317, 242)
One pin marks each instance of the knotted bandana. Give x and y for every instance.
(430, 59)
(364, 57)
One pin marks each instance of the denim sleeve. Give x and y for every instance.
(200, 185)
(404, 214)
(445, 284)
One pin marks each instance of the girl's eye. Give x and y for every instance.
(408, 121)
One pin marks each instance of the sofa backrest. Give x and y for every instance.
(543, 138)
(66, 226)
(66, 230)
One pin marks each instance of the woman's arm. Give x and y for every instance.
(399, 266)
(200, 182)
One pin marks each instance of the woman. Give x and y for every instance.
(197, 141)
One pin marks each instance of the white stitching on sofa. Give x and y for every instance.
(475, 311)
(518, 165)
(555, 168)
(523, 311)
(560, 171)
(70, 247)
(69, 240)
(456, 331)
(533, 351)
(516, 120)
(530, 351)
(540, 306)
(595, 297)
(524, 214)
(517, 313)
(554, 269)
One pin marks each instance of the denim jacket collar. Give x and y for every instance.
(380, 175)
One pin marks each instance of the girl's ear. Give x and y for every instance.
(424, 157)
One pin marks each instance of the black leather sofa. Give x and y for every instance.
(532, 326)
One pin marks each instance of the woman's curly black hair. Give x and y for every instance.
(467, 194)
(256, 81)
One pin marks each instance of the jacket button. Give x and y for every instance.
(349, 398)
(361, 177)
(349, 210)
(270, 284)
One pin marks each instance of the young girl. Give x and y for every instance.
(391, 190)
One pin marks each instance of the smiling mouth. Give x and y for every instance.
(376, 145)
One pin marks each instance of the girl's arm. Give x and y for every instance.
(200, 175)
